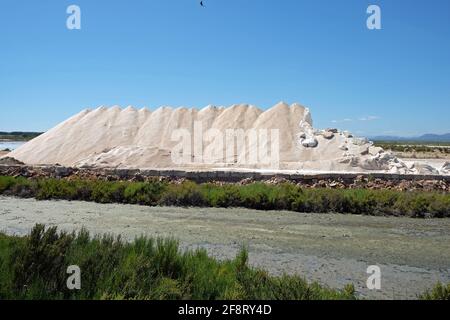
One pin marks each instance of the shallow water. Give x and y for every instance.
(11, 145)
(335, 250)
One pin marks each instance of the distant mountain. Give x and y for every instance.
(423, 138)
(436, 137)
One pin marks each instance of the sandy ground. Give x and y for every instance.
(332, 249)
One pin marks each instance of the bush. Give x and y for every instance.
(144, 193)
(185, 194)
(38, 267)
(6, 183)
(439, 292)
(34, 267)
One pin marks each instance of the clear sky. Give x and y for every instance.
(150, 53)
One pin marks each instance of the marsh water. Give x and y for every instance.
(11, 145)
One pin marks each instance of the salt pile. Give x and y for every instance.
(131, 138)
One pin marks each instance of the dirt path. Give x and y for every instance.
(332, 249)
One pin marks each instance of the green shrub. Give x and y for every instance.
(108, 192)
(439, 292)
(38, 268)
(285, 196)
(185, 194)
(6, 183)
(34, 267)
(144, 193)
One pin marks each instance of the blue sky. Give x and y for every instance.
(150, 53)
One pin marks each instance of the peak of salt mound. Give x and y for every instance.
(208, 108)
(281, 105)
(144, 110)
(163, 109)
(115, 137)
(84, 111)
(130, 109)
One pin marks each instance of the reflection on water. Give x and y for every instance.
(11, 145)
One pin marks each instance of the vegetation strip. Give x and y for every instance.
(35, 267)
(260, 196)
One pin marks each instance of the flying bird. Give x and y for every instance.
(202, 4)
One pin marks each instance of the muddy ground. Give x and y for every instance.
(332, 249)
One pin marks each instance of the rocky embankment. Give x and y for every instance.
(329, 180)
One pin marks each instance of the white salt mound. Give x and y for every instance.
(131, 138)
(446, 168)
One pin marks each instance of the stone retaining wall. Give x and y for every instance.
(325, 180)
